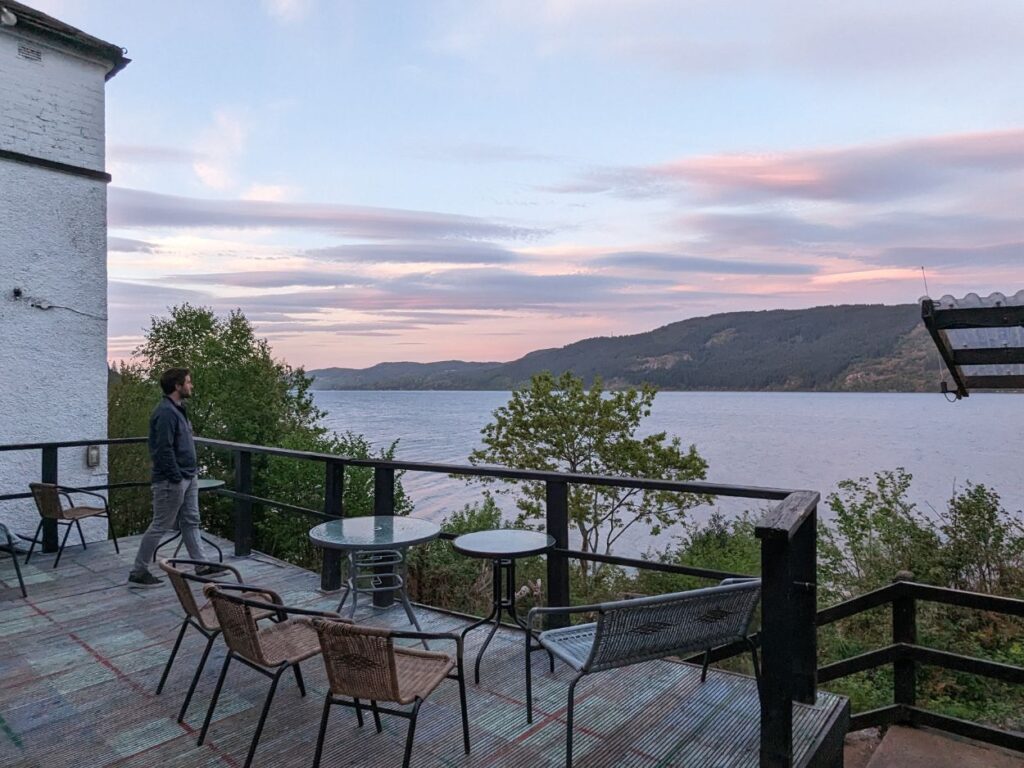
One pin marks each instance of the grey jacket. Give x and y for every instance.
(171, 446)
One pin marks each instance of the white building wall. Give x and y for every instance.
(53, 368)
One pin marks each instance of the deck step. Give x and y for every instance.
(917, 748)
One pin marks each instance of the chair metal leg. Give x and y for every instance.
(376, 716)
(298, 679)
(60, 551)
(196, 676)
(81, 536)
(462, 702)
(753, 658)
(35, 538)
(359, 712)
(412, 731)
(704, 669)
(213, 701)
(568, 720)
(323, 730)
(17, 569)
(113, 534)
(529, 682)
(757, 668)
(170, 659)
(263, 716)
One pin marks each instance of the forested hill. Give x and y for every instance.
(837, 348)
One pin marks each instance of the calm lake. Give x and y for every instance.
(790, 440)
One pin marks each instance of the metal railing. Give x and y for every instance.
(787, 533)
(905, 656)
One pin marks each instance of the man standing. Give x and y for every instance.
(175, 487)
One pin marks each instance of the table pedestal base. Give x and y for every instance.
(501, 603)
(370, 582)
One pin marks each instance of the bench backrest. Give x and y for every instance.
(646, 628)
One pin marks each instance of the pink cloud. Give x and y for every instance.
(861, 173)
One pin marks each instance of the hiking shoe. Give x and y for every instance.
(210, 569)
(144, 579)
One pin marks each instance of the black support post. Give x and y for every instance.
(904, 630)
(334, 505)
(777, 652)
(804, 601)
(49, 475)
(557, 506)
(243, 507)
(383, 504)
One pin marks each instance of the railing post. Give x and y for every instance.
(243, 507)
(557, 512)
(334, 494)
(777, 652)
(904, 630)
(49, 475)
(804, 601)
(383, 504)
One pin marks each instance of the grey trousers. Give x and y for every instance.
(175, 506)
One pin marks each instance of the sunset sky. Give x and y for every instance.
(374, 181)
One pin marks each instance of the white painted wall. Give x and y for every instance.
(53, 369)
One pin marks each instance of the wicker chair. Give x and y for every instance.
(643, 629)
(48, 502)
(364, 663)
(7, 545)
(202, 617)
(270, 650)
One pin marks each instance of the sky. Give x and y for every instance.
(381, 181)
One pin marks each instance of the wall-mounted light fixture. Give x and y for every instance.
(92, 456)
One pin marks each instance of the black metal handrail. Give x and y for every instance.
(905, 655)
(787, 534)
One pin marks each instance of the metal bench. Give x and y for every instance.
(644, 629)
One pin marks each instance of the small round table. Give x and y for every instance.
(205, 484)
(501, 547)
(370, 543)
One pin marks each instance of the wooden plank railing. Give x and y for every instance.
(906, 656)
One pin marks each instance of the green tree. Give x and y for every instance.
(559, 425)
(984, 547)
(439, 575)
(242, 394)
(877, 533)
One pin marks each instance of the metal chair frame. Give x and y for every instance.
(282, 612)
(8, 546)
(600, 658)
(66, 491)
(190, 621)
(409, 715)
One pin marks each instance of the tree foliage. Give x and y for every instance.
(242, 394)
(559, 425)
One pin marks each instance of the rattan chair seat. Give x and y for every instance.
(287, 641)
(419, 672)
(208, 617)
(80, 513)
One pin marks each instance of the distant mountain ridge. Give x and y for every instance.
(853, 347)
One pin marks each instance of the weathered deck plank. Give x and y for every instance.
(80, 659)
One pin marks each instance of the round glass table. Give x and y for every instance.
(205, 484)
(502, 547)
(375, 547)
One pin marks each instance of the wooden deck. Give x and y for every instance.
(81, 658)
